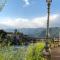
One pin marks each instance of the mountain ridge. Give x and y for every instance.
(38, 32)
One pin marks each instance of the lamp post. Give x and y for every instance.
(47, 30)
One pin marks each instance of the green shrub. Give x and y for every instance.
(34, 52)
(31, 52)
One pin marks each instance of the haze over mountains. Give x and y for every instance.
(38, 32)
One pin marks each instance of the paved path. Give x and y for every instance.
(55, 53)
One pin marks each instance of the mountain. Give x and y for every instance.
(41, 32)
(53, 32)
(33, 32)
(38, 32)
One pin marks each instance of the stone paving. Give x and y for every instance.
(55, 53)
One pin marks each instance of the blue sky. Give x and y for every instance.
(29, 14)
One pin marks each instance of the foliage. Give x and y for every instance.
(30, 52)
(34, 52)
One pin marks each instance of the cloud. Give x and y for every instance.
(26, 2)
(27, 23)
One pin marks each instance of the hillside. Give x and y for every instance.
(39, 32)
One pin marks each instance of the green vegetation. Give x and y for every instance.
(34, 52)
(31, 52)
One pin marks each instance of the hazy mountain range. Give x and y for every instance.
(38, 32)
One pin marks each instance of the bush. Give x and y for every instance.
(31, 52)
(34, 52)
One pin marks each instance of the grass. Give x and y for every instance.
(31, 52)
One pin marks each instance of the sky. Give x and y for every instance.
(29, 14)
